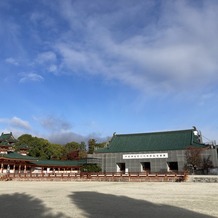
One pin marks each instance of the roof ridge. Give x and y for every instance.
(167, 131)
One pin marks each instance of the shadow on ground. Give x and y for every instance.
(21, 205)
(98, 205)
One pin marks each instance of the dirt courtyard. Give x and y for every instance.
(108, 199)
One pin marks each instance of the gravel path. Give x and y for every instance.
(108, 199)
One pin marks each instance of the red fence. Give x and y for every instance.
(119, 177)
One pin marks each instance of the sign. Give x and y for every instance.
(145, 156)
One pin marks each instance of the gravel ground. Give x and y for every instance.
(108, 199)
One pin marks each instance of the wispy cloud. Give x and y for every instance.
(25, 77)
(16, 122)
(40, 18)
(48, 60)
(176, 50)
(65, 137)
(70, 136)
(45, 57)
(158, 47)
(51, 123)
(58, 130)
(12, 61)
(52, 68)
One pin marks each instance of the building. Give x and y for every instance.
(6, 143)
(17, 162)
(152, 152)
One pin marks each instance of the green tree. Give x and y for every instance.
(90, 168)
(74, 150)
(101, 145)
(83, 146)
(91, 144)
(54, 151)
(71, 146)
(37, 146)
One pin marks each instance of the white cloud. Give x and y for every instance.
(25, 77)
(12, 61)
(52, 68)
(63, 137)
(36, 16)
(19, 123)
(46, 57)
(16, 122)
(158, 46)
(48, 60)
(40, 18)
(176, 51)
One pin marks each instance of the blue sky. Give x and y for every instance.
(74, 70)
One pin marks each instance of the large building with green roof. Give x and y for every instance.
(152, 152)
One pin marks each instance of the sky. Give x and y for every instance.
(72, 70)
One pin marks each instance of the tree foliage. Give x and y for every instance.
(43, 149)
(196, 162)
(39, 147)
(207, 164)
(93, 145)
(193, 157)
(54, 151)
(74, 151)
(90, 168)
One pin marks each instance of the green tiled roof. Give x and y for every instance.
(45, 163)
(5, 144)
(15, 155)
(23, 146)
(59, 163)
(157, 141)
(7, 137)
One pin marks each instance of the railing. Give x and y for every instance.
(100, 176)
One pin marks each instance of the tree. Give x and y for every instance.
(90, 168)
(54, 151)
(83, 151)
(74, 151)
(101, 145)
(39, 147)
(91, 144)
(71, 146)
(207, 164)
(43, 149)
(193, 158)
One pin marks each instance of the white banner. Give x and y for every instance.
(145, 156)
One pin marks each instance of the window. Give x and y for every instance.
(121, 167)
(172, 166)
(145, 166)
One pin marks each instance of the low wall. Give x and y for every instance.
(203, 178)
(110, 177)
